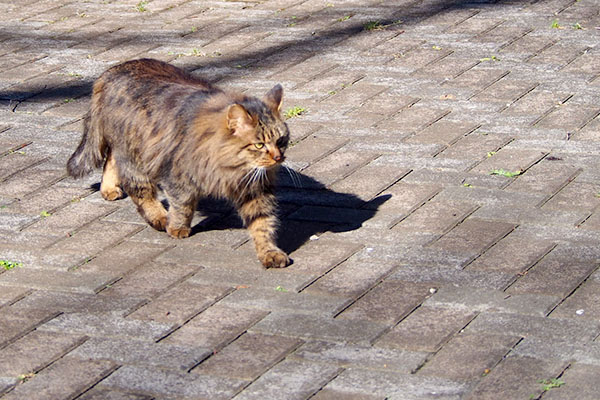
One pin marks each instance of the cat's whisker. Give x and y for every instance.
(294, 176)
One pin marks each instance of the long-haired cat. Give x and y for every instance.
(154, 126)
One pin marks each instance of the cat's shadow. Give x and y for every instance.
(307, 209)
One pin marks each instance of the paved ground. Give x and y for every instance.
(445, 232)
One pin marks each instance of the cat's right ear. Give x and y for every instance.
(274, 98)
(239, 120)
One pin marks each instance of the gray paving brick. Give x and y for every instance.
(409, 333)
(318, 327)
(299, 380)
(471, 299)
(167, 383)
(249, 356)
(582, 303)
(106, 324)
(390, 301)
(512, 254)
(579, 382)
(396, 386)
(141, 353)
(102, 393)
(17, 322)
(548, 276)
(351, 278)
(216, 327)
(473, 235)
(35, 351)
(284, 300)
(468, 356)
(565, 349)
(349, 356)
(11, 295)
(537, 327)
(72, 281)
(180, 303)
(66, 378)
(436, 275)
(525, 370)
(78, 302)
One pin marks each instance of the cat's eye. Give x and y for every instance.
(259, 145)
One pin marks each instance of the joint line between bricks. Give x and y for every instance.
(392, 115)
(454, 141)
(370, 289)
(552, 109)
(397, 179)
(452, 226)
(32, 165)
(414, 209)
(444, 342)
(14, 149)
(571, 61)
(509, 42)
(483, 89)
(570, 179)
(334, 265)
(489, 246)
(523, 94)
(198, 312)
(475, 13)
(583, 281)
(530, 267)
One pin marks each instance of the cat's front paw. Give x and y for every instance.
(179, 233)
(274, 259)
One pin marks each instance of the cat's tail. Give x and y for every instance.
(90, 152)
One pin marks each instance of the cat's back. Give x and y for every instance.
(148, 72)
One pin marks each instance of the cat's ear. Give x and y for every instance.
(239, 120)
(274, 98)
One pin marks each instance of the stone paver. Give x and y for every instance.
(443, 216)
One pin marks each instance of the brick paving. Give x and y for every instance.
(444, 221)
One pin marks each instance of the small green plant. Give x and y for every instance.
(555, 25)
(507, 174)
(68, 100)
(294, 112)
(577, 26)
(438, 48)
(492, 58)
(373, 26)
(141, 6)
(281, 289)
(8, 265)
(194, 29)
(467, 185)
(45, 214)
(344, 18)
(549, 384)
(491, 153)
(75, 75)
(25, 377)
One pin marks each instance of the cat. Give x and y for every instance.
(156, 127)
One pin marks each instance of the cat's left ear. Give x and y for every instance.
(274, 98)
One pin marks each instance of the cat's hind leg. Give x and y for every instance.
(143, 195)
(110, 188)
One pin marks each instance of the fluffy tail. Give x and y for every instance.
(90, 152)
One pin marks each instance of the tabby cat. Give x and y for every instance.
(156, 127)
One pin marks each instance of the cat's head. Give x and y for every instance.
(261, 131)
